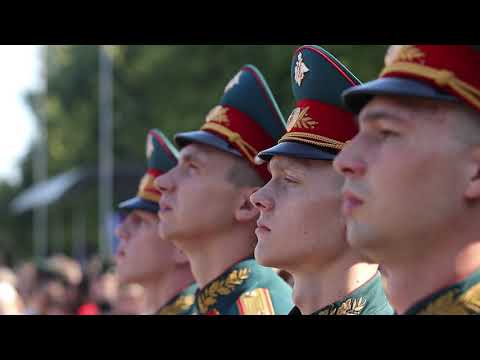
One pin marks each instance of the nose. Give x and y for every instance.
(349, 161)
(261, 200)
(164, 183)
(121, 232)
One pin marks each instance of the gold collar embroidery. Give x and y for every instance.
(455, 303)
(351, 306)
(183, 303)
(208, 297)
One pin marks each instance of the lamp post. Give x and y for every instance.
(105, 148)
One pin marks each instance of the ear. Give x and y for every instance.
(179, 256)
(473, 189)
(245, 211)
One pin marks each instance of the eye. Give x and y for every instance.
(387, 133)
(189, 166)
(290, 180)
(192, 168)
(136, 220)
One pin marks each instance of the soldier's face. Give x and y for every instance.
(197, 200)
(300, 225)
(142, 255)
(404, 180)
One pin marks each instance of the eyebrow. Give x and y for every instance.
(373, 116)
(190, 157)
(287, 164)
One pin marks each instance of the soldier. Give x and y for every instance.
(412, 190)
(142, 256)
(205, 207)
(300, 228)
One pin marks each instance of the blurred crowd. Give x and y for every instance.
(60, 285)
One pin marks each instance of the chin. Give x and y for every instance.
(357, 236)
(264, 258)
(363, 243)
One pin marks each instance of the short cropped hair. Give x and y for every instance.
(241, 174)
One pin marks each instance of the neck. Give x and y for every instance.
(218, 253)
(316, 288)
(159, 291)
(407, 284)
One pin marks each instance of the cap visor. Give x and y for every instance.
(357, 97)
(204, 137)
(296, 150)
(137, 203)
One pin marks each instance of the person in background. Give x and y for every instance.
(131, 300)
(145, 258)
(103, 292)
(10, 301)
(26, 273)
(71, 275)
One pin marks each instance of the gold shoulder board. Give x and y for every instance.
(256, 302)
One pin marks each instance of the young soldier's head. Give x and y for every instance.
(413, 171)
(206, 195)
(142, 255)
(301, 227)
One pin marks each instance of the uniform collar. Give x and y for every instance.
(295, 311)
(462, 298)
(223, 290)
(367, 299)
(180, 304)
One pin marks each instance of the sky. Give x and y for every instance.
(20, 71)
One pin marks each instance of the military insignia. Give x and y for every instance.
(300, 69)
(208, 297)
(150, 148)
(398, 53)
(299, 118)
(348, 307)
(233, 82)
(255, 302)
(183, 303)
(352, 307)
(471, 298)
(455, 303)
(218, 114)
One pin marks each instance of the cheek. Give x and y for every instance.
(193, 193)
(405, 177)
(143, 245)
(293, 216)
(322, 216)
(388, 164)
(201, 199)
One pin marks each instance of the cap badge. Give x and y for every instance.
(299, 118)
(300, 70)
(398, 53)
(149, 149)
(233, 82)
(218, 114)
